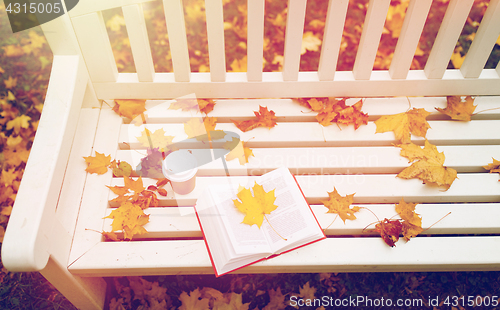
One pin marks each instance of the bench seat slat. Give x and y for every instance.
(335, 160)
(301, 134)
(370, 188)
(330, 255)
(464, 219)
(289, 110)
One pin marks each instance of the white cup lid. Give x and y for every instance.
(180, 166)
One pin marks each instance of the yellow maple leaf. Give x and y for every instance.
(18, 123)
(255, 206)
(98, 164)
(412, 222)
(8, 176)
(10, 82)
(405, 124)
(427, 165)
(310, 42)
(232, 301)
(307, 292)
(203, 129)
(158, 139)
(457, 59)
(129, 107)
(340, 205)
(239, 151)
(130, 219)
(458, 109)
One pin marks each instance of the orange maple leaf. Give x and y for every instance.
(129, 107)
(263, 118)
(98, 164)
(427, 166)
(405, 124)
(458, 109)
(255, 206)
(331, 110)
(341, 205)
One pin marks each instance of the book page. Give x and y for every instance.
(245, 239)
(293, 219)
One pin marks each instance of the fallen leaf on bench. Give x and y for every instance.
(187, 104)
(263, 118)
(151, 165)
(405, 124)
(98, 164)
(331, 110)
(412, 222)
(458, 109)
(340, 205)
(121, 168)
(130, 219)
(157, 139)
(239, 151)
(255, 206)
(389, 231)
(494, 166)
(427, 165)
(129, 107)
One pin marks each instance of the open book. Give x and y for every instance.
(232, 244)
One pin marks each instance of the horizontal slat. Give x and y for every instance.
(330, 255)
(301, 134)
(289, 110)
(272, 86)
(464, 219)
(336, 160)
(468, 187)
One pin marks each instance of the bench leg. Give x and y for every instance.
(83, 293)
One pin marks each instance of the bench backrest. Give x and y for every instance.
(435, 79)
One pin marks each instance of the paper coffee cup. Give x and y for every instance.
(180, 167)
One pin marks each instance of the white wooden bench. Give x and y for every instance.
(59, 204)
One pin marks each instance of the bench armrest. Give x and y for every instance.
(31, 232)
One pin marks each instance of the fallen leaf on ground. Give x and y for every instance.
(427, 165)
(340, 205)
(263, 118)
(193, 301)
(458, 109)
(255, 206)
(404, 124)
(276, 300)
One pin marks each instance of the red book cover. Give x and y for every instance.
(264, 258)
